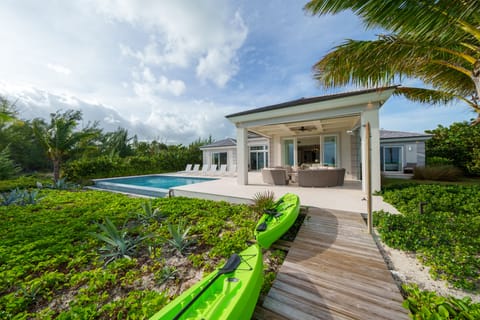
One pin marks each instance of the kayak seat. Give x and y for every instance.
(232, 263)
(270, 212)
(262, 226)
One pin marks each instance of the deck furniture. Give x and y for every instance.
(330, 177)
(409, 167)
(275, 176)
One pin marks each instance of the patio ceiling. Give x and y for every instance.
(312, 127)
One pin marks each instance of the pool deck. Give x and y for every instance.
(348, 197)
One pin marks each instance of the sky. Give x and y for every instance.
(172, 70)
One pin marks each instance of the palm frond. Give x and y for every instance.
(429, 96)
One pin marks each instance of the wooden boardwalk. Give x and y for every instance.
(333, 270)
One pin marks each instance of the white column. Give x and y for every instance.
(371, 115)
(242, 156)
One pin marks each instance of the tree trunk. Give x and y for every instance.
(56, 169)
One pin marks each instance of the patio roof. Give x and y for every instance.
(303, 101)
(312, 115)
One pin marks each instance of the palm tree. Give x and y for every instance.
(60, 139)
(437, 42)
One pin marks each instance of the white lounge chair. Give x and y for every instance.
(196, 169)
(213, 169)
(205, 168)
(188, 168)
(223, 170)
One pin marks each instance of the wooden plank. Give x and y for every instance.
(334, 270)
(261, 313)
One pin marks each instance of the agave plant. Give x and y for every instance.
(149, 214)
(179, 237)
(12, 197)
(30, 197)
(165, 274)
(263, 201)
(117, 243)
(19, 197)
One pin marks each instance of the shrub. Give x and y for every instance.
(439, 161)
(438, 173)
(23, 182)
(7, 166)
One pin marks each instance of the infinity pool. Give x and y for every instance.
(149, 185)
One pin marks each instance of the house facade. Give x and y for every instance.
(320, 131)
(397, 149)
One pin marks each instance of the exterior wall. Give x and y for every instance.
(355, 160)
(207, 155)
(412, 151)
(345, 154)
(421, 153)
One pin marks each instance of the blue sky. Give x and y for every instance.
(171, 70)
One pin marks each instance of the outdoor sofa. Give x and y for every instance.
(330, 177)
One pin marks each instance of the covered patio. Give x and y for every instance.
(326, 131)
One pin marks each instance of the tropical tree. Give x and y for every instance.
(437, 42)
(117, 143)
(60, 138)
(8, 113)
(459, 143)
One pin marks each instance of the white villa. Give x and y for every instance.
(318, 132)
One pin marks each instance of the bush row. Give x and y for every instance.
(104, 167)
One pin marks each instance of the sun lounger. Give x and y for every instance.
(205, 168)
(213, 169)
(188, 168)
(196, 169)
(223, 170)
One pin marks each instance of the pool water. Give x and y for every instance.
(149, 185)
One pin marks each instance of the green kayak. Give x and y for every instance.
(274, 223)
(230, 292)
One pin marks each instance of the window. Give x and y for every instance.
(258, 157)
(219, 158)
(330, 151)
(288, 152)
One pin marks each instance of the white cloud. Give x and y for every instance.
(220, 64)
(59, 69)
(148, 87)
(205, 34)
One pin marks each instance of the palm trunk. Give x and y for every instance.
(56, 169)
(476, 81)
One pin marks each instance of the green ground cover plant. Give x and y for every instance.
(51, 262)
(429, 305)
(445, 237)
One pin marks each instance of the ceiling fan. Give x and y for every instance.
(304, 128)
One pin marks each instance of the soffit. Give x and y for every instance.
(305, 128)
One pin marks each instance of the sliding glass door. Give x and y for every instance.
(391, 158)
